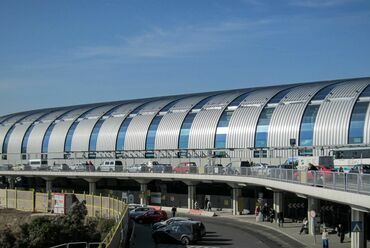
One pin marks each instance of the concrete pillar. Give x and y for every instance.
(92, 185)
(143, 193)
(312, 204)
(358, 238)
(49, 183)
(236, 194)
(11, 182)
(278, 202)
(192, 195)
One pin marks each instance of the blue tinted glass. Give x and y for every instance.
(321, 95)
(169, 106)
(150, 138)
(262, 127)
(122, 134)
(307, 125)
(202, 103)
(6, 140)
(25, 139)
(94, 135)
(357, 123)
(366, 92)
(277, 98)
(68, 144)
(238, 100)
(184, 131)
(220, 141)
(45, 142)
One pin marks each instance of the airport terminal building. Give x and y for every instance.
(305, 119)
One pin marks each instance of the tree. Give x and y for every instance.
(7, 238)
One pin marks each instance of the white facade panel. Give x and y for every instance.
(99, 111)
(203, 130)
(137, 131)
(107, 136)
(188, 102)
(36, 137)
(58, 136)
(367, 127)
(168, 131)
(126, 108)
(81, 135)
(224, 99)
(156, 106)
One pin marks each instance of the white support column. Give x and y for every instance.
(143, 193)
(192, 193)
(278, 202)
(312, 204)
(11, 181)
(358, 238)
(92, 185)
(236, 194)
(49, 183)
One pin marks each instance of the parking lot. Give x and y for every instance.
(221, 233)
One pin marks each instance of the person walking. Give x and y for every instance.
(196, 205)
(325, 238)
(304, 226)
(209, 206)
(205, 203)
(174, 210)
(340, 231)
(280, 217)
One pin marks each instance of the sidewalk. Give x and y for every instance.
(291, 229)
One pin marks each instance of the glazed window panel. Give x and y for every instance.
(150, 139)
(25, 140)
(185, 130)
(263, 126)
(45, 142)
(68, 144)
(357, 123)
(94, 135)
(308, 125)
(122, 134)
(6, 140)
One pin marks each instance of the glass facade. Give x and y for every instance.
(25, 139)
(236, 102)
(263, 127)
(321, 95)
(120, 144)
(45, 141)
(366, 92)
(222, 129)
(307, 125)
(150, 137)
(6, 140)
(279, 96)
(94, 135)
(68, 143)
(357, 123)
(185, 130)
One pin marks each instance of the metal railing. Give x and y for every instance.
(350, 182)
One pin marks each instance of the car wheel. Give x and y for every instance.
(185, 240)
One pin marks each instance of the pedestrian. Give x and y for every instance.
(272, 215)
(174, 209)
(325, 238)
(265, 211)
(280, 216)
(196, 205)
(340, 232)
(205, 203)
(304, 226)
(209, 206)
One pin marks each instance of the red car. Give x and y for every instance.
(185, 168)
(321, 171)
(152, 216)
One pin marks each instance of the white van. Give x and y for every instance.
(111, 165)
(38, 164)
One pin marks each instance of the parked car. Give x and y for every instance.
(185, 168)
(136, 168)
(21, 167)
(6, 167)
(230, 170)
(162, 168)
(213, 169)
(78, 167)
(184, 232)
(169, 221)
(111, 165)
(38, 164)
(360, 168)
(151, 216)
(132, 206)
(139, 211)
(60, 167)
(162, 224)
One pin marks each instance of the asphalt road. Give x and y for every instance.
(222, 232)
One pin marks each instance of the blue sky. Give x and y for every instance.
(56, 53)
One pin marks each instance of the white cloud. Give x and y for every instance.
(320, 3)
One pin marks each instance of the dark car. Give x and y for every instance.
(360, 168)
(184, 232)
(139, 211)
(152, 216)
(162, 168)
(168, 222)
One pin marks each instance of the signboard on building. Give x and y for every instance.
(357, 226)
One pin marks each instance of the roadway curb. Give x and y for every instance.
(269, 227)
